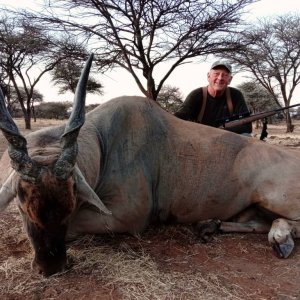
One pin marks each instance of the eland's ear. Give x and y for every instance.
(8, 191)
(87, 194)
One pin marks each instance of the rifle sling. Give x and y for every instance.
(229, 102)
(204, 100)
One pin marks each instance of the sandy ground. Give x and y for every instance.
(168, 262)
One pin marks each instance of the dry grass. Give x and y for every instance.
(116, 266)
(137, 276)
(40, 123)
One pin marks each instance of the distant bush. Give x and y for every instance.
(53, 110)
(91, 107)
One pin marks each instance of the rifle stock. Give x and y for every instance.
(250, 119)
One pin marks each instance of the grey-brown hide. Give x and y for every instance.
(147, 166)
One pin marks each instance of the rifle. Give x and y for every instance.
(245, 118)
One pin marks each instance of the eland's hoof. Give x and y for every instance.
(206, 229)
(283, 249)
(281, 237)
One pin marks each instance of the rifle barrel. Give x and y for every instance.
(255, 117)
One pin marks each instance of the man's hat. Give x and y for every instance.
(222, 63)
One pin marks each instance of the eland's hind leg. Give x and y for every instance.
(281, 234)
(249, 220)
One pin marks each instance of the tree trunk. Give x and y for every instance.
(27, 118)
(33, 113)
(27, 122)
(152, 94)
(289, 125)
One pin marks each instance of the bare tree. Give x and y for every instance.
(21, 48)
(13, 103)
(272, 55)
(139, 35)
(27, 52)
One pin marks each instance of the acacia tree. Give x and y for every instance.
(66, 75)
(22, 46)
(27, 52)
(271, 53)
(170, 98)
(139, 35)
(13, 104)
(258, 99)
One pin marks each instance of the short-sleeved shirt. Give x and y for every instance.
(215, 109)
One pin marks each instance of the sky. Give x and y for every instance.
(119, 82)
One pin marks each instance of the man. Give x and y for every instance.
(208, 105)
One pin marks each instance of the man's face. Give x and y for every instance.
(219, 78)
